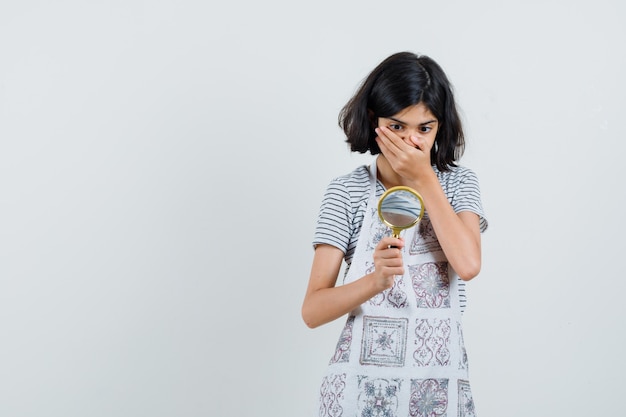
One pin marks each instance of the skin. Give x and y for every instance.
(405, 140)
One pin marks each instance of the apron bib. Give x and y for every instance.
(400, 353)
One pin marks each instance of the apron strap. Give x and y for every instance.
(373, 179)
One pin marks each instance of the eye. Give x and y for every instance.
(425, 129)
(395, 126)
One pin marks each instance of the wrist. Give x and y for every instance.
(424, 181)
(375, 284)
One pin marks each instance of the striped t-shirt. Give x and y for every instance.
(344, 203)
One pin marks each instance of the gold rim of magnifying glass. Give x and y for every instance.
(393, 227)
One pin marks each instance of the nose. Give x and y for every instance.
(412, 133)
(412, 137)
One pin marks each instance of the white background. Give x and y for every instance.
(162, 164)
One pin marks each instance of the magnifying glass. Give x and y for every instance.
(400, 208)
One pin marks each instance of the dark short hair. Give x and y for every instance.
(405, 79)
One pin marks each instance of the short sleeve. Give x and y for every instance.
(335, 217)
(466, 195)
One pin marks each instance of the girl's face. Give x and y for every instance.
(415, 125)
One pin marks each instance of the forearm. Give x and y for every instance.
(459, 241)
(327, 304)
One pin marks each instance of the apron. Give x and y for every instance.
(400, 353)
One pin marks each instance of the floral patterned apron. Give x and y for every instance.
(400, 353)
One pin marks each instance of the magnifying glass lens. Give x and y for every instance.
(400, 208)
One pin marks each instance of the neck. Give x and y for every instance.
(386, 175)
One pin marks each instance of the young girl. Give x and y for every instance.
(401, 351)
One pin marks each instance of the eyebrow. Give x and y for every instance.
(405, 123)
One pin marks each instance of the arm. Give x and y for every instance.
(324, 302)
(458, 233)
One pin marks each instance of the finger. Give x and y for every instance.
(388, 241)
(397, 150)
(395, 265)
(390, 140)
(394, 142)
(391, 250)
(383, 147)
(382, 263)
(403, 144)
(388, 253)
(385, 144)
(419, 143)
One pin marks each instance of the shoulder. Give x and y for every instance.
(460, 184)
(342, 209)
(457, 173)
(356, 178)
(456, 178)
(352, 186)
